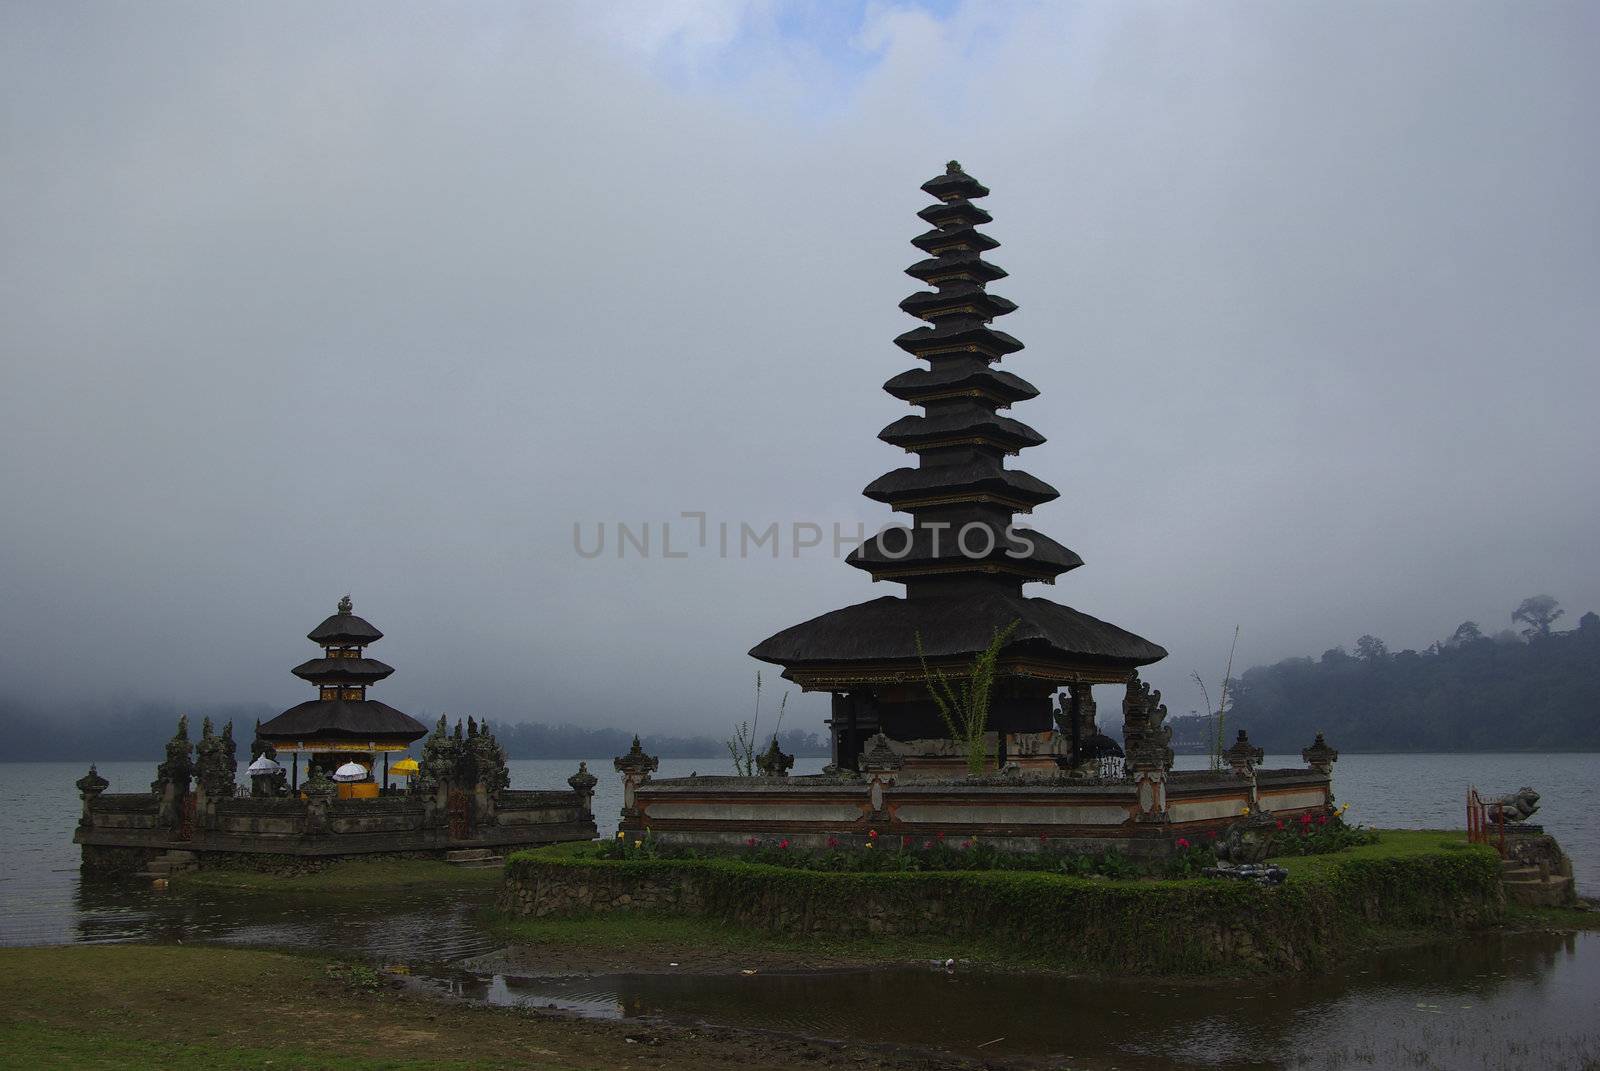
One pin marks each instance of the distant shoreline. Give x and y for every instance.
(1180, 751)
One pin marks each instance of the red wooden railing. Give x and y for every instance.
(1486, 823)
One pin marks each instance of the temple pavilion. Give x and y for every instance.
(342, 725)
(962, 559)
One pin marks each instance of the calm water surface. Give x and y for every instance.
(1483, 1003)
(1524, 1002)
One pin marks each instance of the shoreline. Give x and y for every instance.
(198, 1007)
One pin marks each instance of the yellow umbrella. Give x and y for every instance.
(405, 768)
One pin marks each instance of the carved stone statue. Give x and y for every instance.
(177, 768)
(487, 759)
(441, 755)
(215, 764)
(1248, 841)
(1520, 805)
(773, 762)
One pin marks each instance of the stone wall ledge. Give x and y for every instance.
(335, 844)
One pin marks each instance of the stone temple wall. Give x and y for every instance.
(1015, 814)
(119, 832)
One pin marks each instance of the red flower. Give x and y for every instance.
(927, 844)
(941, 836)
(751, 843)
(1322, 819)
(872, 834)
(1183, 842)
(905, 841)
(1305, 819)
(833, 842)
(784, 843)
(1280, 823)
(1211, 834)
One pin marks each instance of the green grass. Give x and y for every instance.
(347, 875)
(642, 939)
(1551, 918)
(1393, 844)
(193, 1008)
(31, 1045)
(1332, 905)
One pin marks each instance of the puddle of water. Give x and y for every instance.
(1497, 1002)
(426, 926)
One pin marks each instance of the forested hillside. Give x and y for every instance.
(1538, 690)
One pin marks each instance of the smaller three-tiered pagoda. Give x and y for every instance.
(342, 725)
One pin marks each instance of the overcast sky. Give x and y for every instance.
(300, 299)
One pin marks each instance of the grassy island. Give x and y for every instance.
(1407, 882)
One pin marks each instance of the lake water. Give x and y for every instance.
(1483, 1002)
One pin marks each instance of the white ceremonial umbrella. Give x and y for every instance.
(263, 765)
(350, 771)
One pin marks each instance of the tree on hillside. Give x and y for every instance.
(1508, 694)
(1465, 633)
(1334, 655)
(1538, 612)
(1588, 621)
(1371, 649)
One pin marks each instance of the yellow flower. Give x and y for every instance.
(638, 843)
(1245, 809)
(867, 845)
(621, 835)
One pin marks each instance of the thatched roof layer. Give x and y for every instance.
(960, 625)
(365, 719)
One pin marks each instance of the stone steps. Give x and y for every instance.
(474, 858)
(168, 864)
(1532, 886)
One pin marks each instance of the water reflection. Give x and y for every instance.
(1489, 1002)
(413, 926)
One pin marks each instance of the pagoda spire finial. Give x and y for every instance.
(345, 605)
(953, 167)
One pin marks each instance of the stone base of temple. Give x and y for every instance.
(1144, 814)
(121, 832)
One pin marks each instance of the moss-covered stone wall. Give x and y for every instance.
(1149, 927)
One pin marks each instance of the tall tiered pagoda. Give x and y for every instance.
(342, 724)
(961, 560)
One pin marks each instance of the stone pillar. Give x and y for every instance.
(90, 785)
(483, 809)
(881, 767)
(1319, 756)
(773, 762)
(1242, 758)
(1148, 755)
(320, 791)
(636, 768)
(583, 783)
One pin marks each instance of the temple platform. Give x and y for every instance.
(122, 832)
(1019, 813)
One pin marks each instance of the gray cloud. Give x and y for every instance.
(383, 298)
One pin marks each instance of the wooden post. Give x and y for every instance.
(295, 761)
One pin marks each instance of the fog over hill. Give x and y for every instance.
(299, 299)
